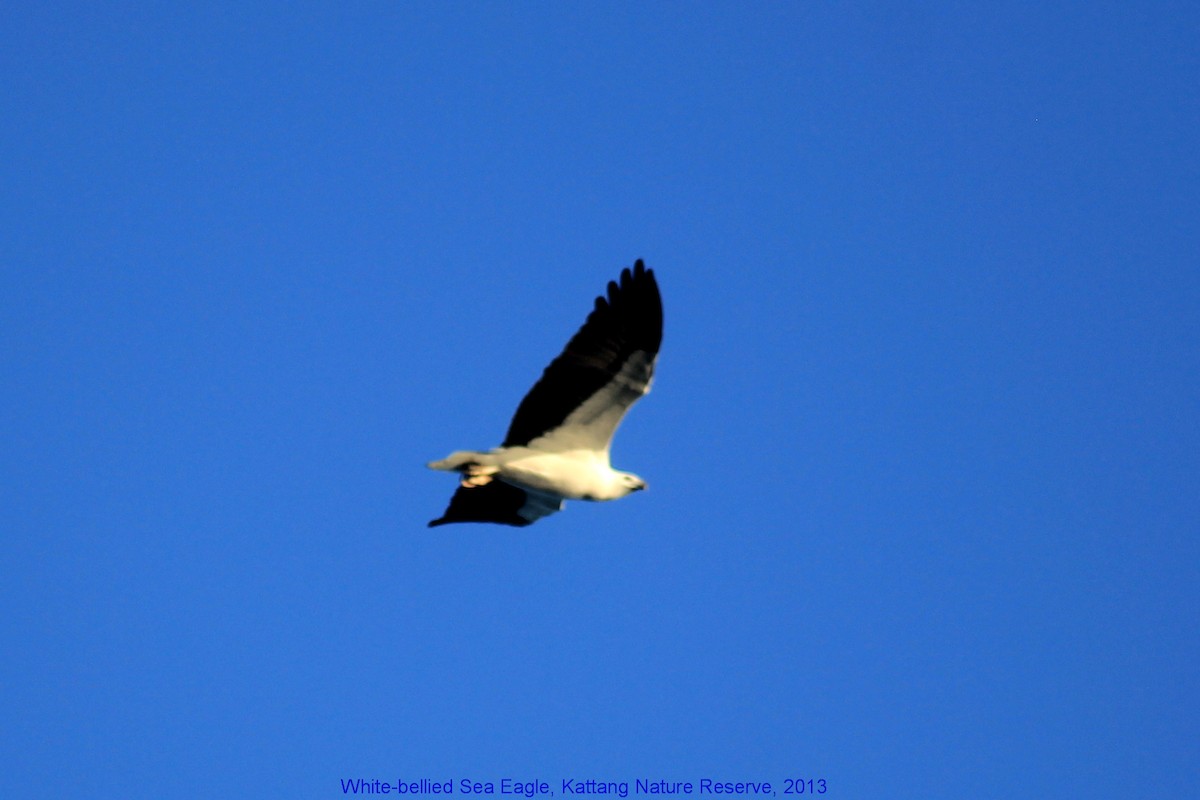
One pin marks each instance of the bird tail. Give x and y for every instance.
(460, 461)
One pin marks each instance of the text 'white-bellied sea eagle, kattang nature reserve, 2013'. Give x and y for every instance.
(557, 444)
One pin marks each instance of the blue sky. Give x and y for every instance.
(923, 448)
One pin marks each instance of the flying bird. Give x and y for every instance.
(557, 445)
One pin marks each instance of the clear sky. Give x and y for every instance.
(923, 447)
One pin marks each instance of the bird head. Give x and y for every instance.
(631, 483)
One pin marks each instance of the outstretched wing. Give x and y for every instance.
(500, 502)
(608, 364)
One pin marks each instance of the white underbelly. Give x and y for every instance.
(574, 476)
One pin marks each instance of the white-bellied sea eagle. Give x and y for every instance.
(557, 444)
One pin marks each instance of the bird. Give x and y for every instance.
(557, 445)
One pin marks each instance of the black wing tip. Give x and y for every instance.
(635, 273)
(635, 278)
(631, 279)
(636, 298)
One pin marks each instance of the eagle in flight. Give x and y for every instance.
(557, 445)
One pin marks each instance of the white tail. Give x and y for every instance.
(459, 460)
